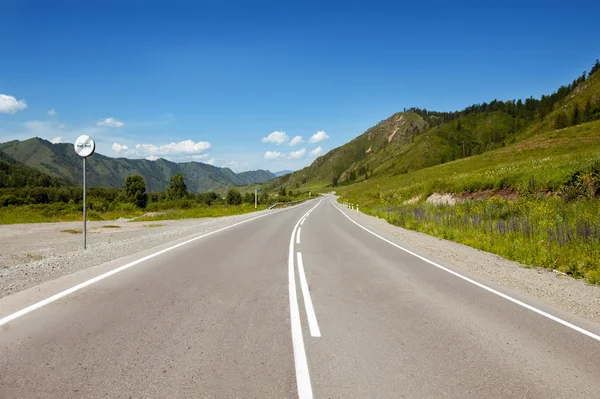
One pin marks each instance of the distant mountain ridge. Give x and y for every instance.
(283, 172)
(60, 161)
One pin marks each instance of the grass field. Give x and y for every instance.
(48, 213)
(535, 202)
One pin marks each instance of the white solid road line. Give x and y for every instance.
(303, 384)
(485, 287)
(119, 269)
(298, 235)
(302, 221)
(308, 305)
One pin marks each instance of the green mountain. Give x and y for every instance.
(60, 161)
(15, 175)
(417, 138)
(256, 176)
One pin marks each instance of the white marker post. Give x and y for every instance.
(84, 147)
(255, 198)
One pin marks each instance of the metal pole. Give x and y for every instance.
(255, 198)
(84, 211)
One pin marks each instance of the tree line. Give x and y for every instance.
(133, 194)
(530, 109)
(575, 115)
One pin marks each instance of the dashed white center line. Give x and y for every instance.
(300, 362)
(308, 305)
(298, 235)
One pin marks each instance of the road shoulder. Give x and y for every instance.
(562, 292)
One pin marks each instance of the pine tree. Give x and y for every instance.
(587, 113)
(177, 188)
(561, 121)
(595, 67)
(575, 116)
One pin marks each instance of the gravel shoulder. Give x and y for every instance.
(31, 254)
(563, 292)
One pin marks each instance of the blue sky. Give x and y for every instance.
(227, 82)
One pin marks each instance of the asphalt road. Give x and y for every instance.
(239, 313)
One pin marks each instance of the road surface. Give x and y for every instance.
(302, 302)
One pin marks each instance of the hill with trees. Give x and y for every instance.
(419, 138)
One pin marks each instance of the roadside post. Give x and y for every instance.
(84, 147)
(256, 190)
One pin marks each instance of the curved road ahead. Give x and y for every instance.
(302, 302)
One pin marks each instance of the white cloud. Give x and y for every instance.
(120, 149)
(10, 105)
(273, 155)
(276, 137)
(110, 122)
(186, 150)
(318, 137)
(297, 154)
(52, 112)
(57, 140)
(296, 140)
(210, 161)
(316, 152)
(187, 147)
(61, 126)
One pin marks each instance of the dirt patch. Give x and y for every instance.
(391, 136)
(442, 199)
(368, 151)
(505, 193)
(72, 231)
(546, 142)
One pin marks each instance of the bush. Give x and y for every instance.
(249, 198)
(10, 199)
(234, 197)
(123, 206)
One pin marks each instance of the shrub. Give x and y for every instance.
(233, 197)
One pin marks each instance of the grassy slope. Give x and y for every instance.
(393, 132)
(550, 159)
(402, 143)
(517, 207)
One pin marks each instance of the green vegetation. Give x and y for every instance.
(544, 232)
(57, 204)
(536, 202)
(177, 189)
(135, 191)
(14, 174)
(234, 197)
